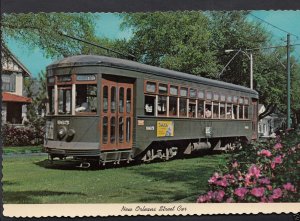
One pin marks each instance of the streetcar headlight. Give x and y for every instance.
(61, 132)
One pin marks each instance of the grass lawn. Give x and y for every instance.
(31, 179)
(22, 150)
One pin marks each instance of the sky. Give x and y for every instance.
(108, 25)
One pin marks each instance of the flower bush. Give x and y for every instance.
(21, 136)
(260, 172)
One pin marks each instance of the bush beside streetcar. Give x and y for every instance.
(113, 110)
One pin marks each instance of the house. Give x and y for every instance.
(271, 123)
(13, 73)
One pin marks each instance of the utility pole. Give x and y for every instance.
(288, 83)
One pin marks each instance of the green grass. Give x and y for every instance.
(34, 180)
(22, 150)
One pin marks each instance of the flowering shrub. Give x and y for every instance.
(260, 172)
(21, 136)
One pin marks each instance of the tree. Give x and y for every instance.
(174, 40)
(43, 30)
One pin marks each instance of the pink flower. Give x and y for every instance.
(289, 187)
(278, 160)
(241, 192)
(235, 164)
(219, 195)
(254, 171)
(266, 153)
(277, 193)
(221, 182)
(202, 199)
(273, 165)
(264, 181)
(278, 146)
(269, 187)
(258, 192)
(214, 178)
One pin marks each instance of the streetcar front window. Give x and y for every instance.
(64, 100)
(86, 98)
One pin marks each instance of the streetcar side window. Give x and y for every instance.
(200, 109)
(222, 106)
(246, 109)
(149, 105)
(86, 98)
(216, 110)
(241, 108)
(162, 99)
(173, 101)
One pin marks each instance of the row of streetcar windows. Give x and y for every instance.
(176, 101)
(85, 94)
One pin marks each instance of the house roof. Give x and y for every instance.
(8, 97)
(26, 72)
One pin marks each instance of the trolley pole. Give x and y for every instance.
(288, 83)
(251, 70)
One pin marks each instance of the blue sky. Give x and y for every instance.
(108, 26)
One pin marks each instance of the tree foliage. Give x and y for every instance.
(43, 30)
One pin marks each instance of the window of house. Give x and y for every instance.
(64, 100)
(8, 82)
(173, 103)
(149, 105)
(151, 87)
(86, 98)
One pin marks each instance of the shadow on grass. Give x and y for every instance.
(32, 196)
(8, 183)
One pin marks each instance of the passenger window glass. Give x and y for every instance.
(173, 106)
(128, 129)
(216, 97)
(235, 108)
(86, 98)
(241, 100)
(183, 92)
(201, 94)
(162, 105)
(241, 112)
(64, 78)
(229, 112)
(193, 93)
(223, 98)
(216, 110)
(104, 132)
(113, 99)
(182, 107)
(192, 108)
(149, 105)
(105, 99)
(163, 89)
(200, 109)
(174, 90)
(235, 99)
(246, 112)
(208, 110)
(64, 100)
(128, 100)
(151, 87)
(222, 111)
(229, 99)
(246, 101)
(112, 130)
(121, 100)
(208, 95)
(121, 129)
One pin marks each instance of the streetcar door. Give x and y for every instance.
(116, 115)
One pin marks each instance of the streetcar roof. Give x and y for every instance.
(86, 60)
